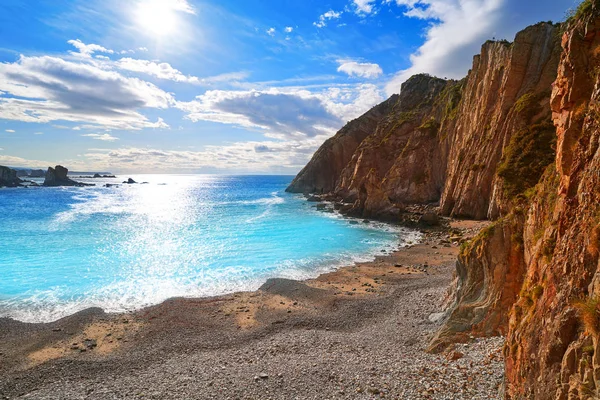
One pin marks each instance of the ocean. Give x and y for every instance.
(124, 248)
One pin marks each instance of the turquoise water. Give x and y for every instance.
(123, 248)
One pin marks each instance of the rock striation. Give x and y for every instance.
(57, 176)
(8, 177)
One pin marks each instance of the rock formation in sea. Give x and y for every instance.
(37, 173)
(57, 176)
(8, 177)
(517, 142)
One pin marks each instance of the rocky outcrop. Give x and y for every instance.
(8, 177)
(322, 173)
(57, 176)
(402, 161)
(37, 173)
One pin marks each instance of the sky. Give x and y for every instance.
(221, 86)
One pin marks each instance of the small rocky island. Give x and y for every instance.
(8, 177)
(57, 176)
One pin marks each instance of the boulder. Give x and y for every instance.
(429, 219)
(129, 181)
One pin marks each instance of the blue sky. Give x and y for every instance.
(228, 86)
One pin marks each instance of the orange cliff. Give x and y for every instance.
(516, 142)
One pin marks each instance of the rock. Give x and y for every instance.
(90, 343)
(454, 355)
(129, 181)
(321, 206)
(313, 198)
(97, 176)
(8, 177)
(321, 174)
(429, 219)
(57, 176)
(37, 173)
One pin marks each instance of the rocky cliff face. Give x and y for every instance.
(322, 173)
(440, 141)
(8, 177)
(517, 141)
(552, 347)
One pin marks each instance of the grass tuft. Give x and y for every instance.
(589, 314)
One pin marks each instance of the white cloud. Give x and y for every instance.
(101, 136)
(289, 29)
(458, 28)
(252, 156)
(1, 149)
(142, 48)
(46, 89)
(271, 31)
(159, 70)
(88, 49)
(363, 70)
(38, 133)
(329, 15)
(284, 113)
(364, 6)
(10, 130)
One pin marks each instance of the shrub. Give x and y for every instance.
(589, 314)
(526, 157)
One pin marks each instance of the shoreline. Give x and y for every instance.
(412, 236)
(395, 294)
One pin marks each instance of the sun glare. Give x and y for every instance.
(157, 17)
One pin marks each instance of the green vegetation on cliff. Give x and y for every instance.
(528, 154)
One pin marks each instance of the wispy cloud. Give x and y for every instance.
(160, 70)
(88, 49)
(10, 131)
(363, 70)
(105, 137)
(271, 31)
(364, 6)
(328, 16)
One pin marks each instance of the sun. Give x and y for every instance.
(157, 17)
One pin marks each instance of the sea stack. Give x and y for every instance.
(57, 176)
(8, 177)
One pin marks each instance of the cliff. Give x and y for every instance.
(440, 141)
(322, 172)
(557, 316)
(517, 142)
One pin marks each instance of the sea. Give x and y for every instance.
(125, 247)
